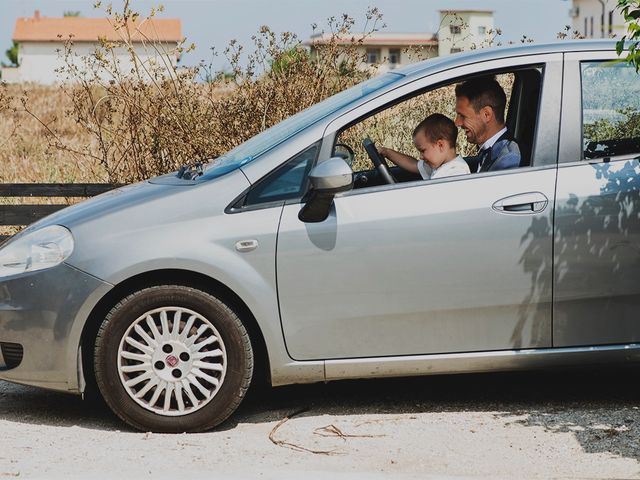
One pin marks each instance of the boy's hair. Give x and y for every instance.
(484, 92)
(438, 127)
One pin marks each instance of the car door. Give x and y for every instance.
(597, 232)
(450, 265)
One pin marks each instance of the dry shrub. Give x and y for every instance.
(148, 117)
(27, 114)
(25, 156)
(111, 123)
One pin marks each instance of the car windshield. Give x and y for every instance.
(261, 143)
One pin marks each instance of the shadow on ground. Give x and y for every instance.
(600, 407)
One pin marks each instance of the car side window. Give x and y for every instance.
(610, 109)
(286, 182)
(392, 127)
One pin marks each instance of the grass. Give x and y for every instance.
(25, 152)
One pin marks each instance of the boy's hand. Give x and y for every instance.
(383, 151)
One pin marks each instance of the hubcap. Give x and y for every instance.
(172, 361)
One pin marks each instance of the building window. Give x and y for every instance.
(586, 27)
(456, 50)
(394, 55)
(373, 55)
(455, 29)
(482, 30)
(591, 27)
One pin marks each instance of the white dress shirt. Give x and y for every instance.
(457, 166)
(489, 143)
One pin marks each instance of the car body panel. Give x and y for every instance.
(100, 207)
(317, 327)
(597, 233)
(426, 268)
(189, 223)
(192, 226)
(597, 259)
(44, 324)
(500, 361)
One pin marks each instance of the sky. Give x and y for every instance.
(213, 23)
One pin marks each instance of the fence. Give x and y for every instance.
(21, 214)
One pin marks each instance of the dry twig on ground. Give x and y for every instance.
(333, 431)
(293, 446)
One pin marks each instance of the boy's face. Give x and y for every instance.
(434, 153)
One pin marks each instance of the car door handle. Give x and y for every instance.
(523, 203)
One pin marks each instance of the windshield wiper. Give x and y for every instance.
(190, 172)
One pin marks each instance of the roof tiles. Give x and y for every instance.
(53, 29)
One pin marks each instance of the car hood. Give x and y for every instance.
(147, 202)
(100, 205)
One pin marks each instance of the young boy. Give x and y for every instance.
(435, 139)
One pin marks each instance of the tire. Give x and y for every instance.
(163, 380)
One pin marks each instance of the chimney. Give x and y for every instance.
(36, 15)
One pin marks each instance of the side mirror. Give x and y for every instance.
(327, 179)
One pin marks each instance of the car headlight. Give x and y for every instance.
(37, 250)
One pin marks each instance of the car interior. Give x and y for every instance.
(522, 86)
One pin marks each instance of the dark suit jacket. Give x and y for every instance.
(504, 154)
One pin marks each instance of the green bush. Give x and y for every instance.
(631, 11)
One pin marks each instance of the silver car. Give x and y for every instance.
(279, 262)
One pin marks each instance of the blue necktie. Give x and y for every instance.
(485, 154)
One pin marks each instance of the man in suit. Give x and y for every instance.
(480, 105)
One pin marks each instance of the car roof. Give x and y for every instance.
(494, 53)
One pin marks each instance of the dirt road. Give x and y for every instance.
(563, 424)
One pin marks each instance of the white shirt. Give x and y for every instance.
(489, 143)
(457, 166)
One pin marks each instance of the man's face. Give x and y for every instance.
(473, 123)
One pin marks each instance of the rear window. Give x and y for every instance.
(610, 109)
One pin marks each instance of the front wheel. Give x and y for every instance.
(172, 358)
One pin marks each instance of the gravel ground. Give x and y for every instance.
(563, 424)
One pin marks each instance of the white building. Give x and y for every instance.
(462, 30)
(387, 50)
(41, 43)
(597, 18)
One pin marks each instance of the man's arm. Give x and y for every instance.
(400, 159)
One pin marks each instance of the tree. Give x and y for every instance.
(12, 54)
(631, 11)
(71, 13)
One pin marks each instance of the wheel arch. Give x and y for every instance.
(262, 371)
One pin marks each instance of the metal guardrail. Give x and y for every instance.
(16, 214)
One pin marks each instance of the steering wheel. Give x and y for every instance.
(378, 160)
